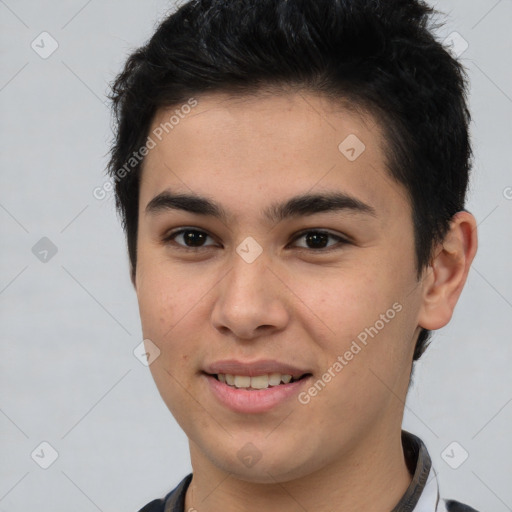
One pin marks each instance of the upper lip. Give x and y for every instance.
(253, 368)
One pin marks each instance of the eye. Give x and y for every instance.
(315, 240)
(188, 238)
(319, 240)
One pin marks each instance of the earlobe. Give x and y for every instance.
(444, 279)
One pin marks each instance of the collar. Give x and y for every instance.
(422, 495)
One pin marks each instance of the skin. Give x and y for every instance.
(294, 303)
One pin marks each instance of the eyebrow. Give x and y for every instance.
(302, 205)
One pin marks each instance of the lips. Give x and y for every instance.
(256, 386)
(231, 383)
(254, 368)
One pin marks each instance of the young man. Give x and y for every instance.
(291, 176)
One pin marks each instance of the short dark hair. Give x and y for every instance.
(380, 56)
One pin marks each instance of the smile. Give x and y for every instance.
(254, 394)
(256, 382)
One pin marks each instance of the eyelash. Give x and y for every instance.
(170, 239)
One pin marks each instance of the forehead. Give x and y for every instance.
(244, 150)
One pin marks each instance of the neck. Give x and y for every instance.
(372, 476)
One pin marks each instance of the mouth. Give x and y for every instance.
(256, 386)
(255, 394)
(257, 382)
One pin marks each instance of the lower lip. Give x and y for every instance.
(254, 401)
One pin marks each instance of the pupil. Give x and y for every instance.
(194, 238)
(317, 239)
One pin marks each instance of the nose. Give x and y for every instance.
(250, 301)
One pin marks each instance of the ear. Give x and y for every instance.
(446, 275)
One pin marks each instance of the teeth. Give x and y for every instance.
(274, 379)
(257, 382)
(242, 382)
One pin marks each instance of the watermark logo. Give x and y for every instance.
(352, 147)
(146, 352)
(454, 455)
(44, 250)
(44, 455)
(249, 455)
(44, 45)
(456, 44)
(249, 250)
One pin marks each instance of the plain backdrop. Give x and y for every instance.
(69, 315)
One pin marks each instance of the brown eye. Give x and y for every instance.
(318, 240)
(189, 238)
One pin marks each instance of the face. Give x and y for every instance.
(273, 243)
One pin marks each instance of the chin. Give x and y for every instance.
(269, 465)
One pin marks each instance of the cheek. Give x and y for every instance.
(175, 309)
(361, 318)
(165, 296)
(169, 305)
(339, 305)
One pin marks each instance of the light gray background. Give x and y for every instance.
(70, 325)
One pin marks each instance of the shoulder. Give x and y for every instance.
(154, 506)
(455, 506)
(174, 501)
